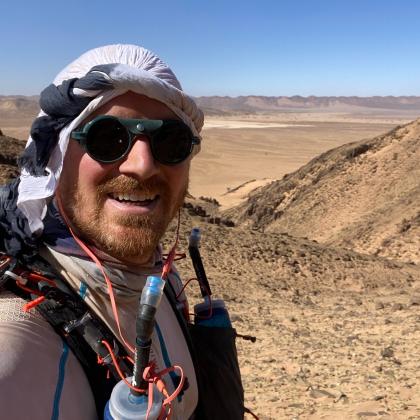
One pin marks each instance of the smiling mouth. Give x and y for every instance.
(135, 199)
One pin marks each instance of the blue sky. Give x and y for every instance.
(283, 47)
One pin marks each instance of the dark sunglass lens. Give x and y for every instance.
(172, 143)
(107, 140)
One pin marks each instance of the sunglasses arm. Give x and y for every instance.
(79, 136)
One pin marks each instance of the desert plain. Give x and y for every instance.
(310, 225)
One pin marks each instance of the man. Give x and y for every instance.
(104, 172)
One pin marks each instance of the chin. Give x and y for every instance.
(128, 243)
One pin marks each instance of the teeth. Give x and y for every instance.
(133, 197)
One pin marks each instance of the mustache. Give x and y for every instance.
(126, 185)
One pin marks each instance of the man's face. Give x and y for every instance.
(123, 208)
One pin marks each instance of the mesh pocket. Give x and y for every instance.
(11, 308)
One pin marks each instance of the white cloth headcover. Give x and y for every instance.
(139, 71)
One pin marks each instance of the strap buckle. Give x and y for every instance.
(77, 323)
(6, 262)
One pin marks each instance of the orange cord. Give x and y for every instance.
(165, 271)
(29, 290)
(172, 253)
(39, 277)
(28, 306)
(208, 296)
(178, 256)
(95, 259)
(117, 367)
(41, 297)
(184, 286)
(152, 377)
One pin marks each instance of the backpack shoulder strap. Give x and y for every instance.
(74, 322)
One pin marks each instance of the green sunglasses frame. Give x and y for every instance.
(134, 127)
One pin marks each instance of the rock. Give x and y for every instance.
(320, 393)
(398, 307)
(236, 318)
(414, 300)
(379, 305)
(296, 405)
(302, 333)
(387, 352)
(366, 414)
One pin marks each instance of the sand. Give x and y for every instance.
(337, 330)
(233, 155)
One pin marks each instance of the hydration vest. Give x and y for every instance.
(212, 349)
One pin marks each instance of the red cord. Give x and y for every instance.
(28, 306)
(165, 271)
(95, 259)
(184, 286)
(153, 378)
(210, 314)
(117, 367)
(172, 253)
(178, 256)
(39, 277)
(29, 290)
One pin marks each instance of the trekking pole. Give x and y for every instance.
(126, 403)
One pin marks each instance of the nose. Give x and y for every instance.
(139, 161)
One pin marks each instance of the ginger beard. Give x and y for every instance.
(125, 237)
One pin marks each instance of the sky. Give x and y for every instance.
(230, 47)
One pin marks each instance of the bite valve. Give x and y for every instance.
(126, 403)
(145, 322)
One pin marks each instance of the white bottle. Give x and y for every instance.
(125, 406)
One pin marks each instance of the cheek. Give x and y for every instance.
(177, 177)
(79, 170)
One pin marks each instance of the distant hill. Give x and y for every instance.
(364, 196)
(252, 104)
(13, 105)
(17, 104)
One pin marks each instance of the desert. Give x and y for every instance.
(310, 217)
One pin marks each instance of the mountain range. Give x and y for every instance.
(219, 105)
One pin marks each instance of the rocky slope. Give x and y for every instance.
(10, 149)
(364, 196)
(337, 331)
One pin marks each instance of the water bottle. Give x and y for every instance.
(219, 314)
(123, 405)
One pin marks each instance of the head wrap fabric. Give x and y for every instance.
(86, 84)
(61, 105)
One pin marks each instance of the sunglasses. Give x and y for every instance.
(108, 139)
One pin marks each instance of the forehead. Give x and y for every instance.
(134, 105)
